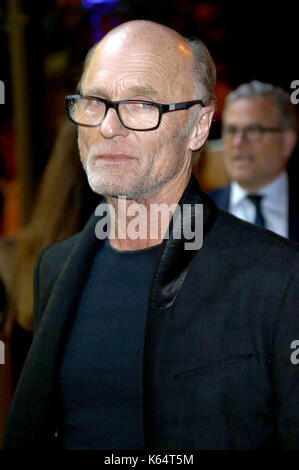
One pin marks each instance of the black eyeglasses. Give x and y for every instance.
(251, 133)
(136, 115)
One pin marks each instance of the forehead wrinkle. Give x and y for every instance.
(142, 90)
(108, 82)
(144, 62)
(130, 65)
(161, 61)
(98, 91)
(173, 70)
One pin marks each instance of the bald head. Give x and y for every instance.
(186, 61)
(145, 41)
(144, 31)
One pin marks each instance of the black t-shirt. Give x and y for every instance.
(100, 370)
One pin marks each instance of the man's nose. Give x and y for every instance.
(111, 125)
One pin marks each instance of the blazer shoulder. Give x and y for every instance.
(57, 253)
(218, 191)
(221, 197)
(242, 235)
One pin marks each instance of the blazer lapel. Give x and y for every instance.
(174, 259)
(224, 198)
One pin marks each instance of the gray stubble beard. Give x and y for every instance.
(139, 193)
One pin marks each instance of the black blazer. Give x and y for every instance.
(216, 367)
(221, 198)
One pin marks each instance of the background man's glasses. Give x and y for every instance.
(136, 115)
(251, 133)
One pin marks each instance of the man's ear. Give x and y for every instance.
(201, 128)
(290, 139)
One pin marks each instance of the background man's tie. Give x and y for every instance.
(256, 200)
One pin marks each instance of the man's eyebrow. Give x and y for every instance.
(96, 91)
(130, 92)
(143, 90)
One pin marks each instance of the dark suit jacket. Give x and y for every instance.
(221, 198)
(216, 368)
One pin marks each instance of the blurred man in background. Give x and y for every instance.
(260, 132)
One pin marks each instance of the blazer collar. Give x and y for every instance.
(174, 259)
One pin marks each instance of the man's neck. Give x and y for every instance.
(141, 224)
(254, 187)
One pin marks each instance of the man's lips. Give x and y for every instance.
(242, 159)
(115, 158)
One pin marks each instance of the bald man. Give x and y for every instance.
(166, 323)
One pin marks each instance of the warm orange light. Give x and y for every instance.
(184, 48)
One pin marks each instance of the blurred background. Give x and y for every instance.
(43, 45)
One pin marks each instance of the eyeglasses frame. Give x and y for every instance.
(261, 128)
(163, 108)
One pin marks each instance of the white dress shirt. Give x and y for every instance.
(274, 205)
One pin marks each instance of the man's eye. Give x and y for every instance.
(145, 106)
(255, 130)
(230, 130)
